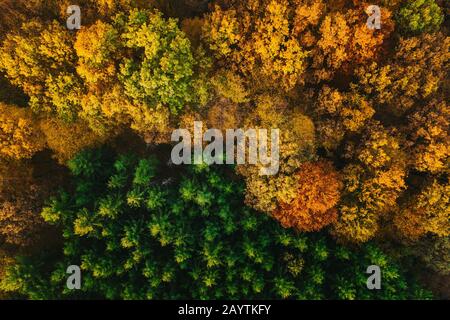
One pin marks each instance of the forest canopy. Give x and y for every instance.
(86, 123)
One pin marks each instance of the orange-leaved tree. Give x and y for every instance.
(318, 192)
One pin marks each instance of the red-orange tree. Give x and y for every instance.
(318, 192)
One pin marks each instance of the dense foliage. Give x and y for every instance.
(139, 235)
(364, 163)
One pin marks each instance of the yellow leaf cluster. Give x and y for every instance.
(380, 147)
(20, 136)
(257, 39)
(429, 212)
(340, 113)
(355, 224)
(430, 137)
(66, 140)
(95, 46)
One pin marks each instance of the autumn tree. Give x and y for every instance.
(139, 71)
(308, 15)
(318, 193)
(428, 212)
(231, 86)
(66, 140)
(96, 47)
(20, 135)
(343, 40)
(161, 77)
(339, 114)
(372, 184)
(429, 137)
(257, 39)
(296, 145)
(40, 59)
(159, 81)
(415, 72)
(103, 105)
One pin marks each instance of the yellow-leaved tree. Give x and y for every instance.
(256, 38)
(415, 72)
(39, 58)
(339, 114)
(426, 213)
(20, 135)
(429, 137)
(372, 183)
(296, 145)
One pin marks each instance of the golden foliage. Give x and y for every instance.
(231, 86)
(66, 140)
(281, 56)
(256, 38)
(429, 131)
(380, 147)
(307, 14)
(355, 224)
(154, 123)
(34, 57)
(105, 110)
(345, 40)
(429, 212)
(20, 136)
(297, 145)
(95, 47)
(368, 195)
(222, 30)
(380, 193)
(416, 71)
(340, 114)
